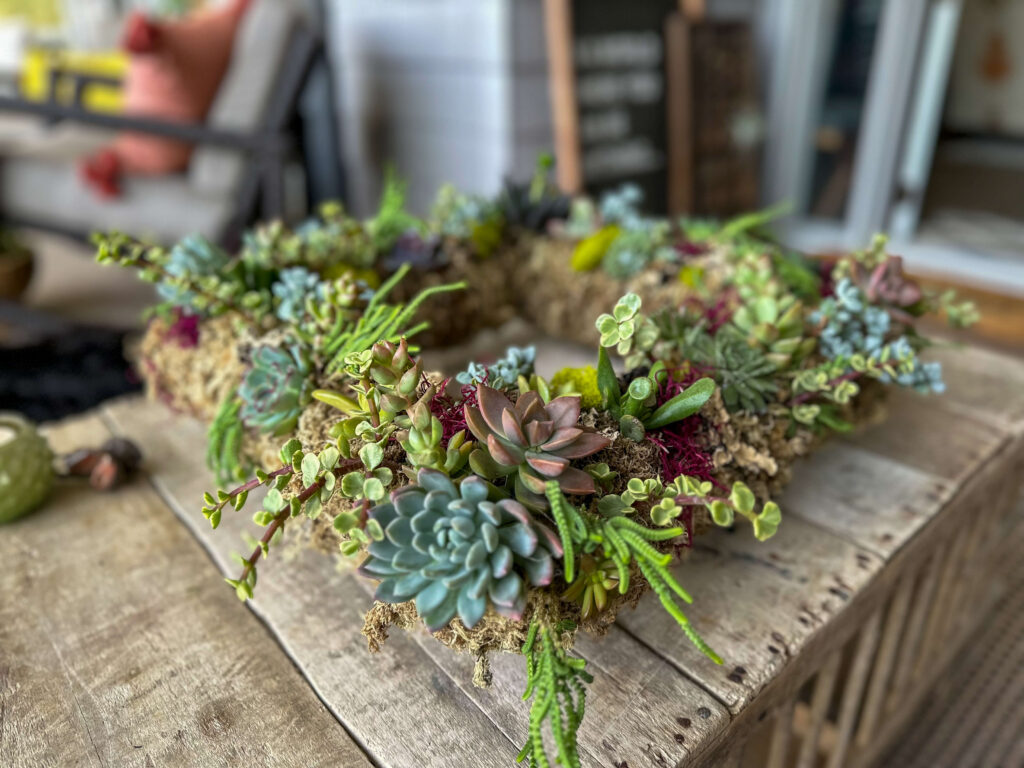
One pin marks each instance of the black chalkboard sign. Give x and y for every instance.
(608, 83)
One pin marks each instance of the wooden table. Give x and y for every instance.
(120, 646)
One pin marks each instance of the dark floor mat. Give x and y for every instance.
(65, 375)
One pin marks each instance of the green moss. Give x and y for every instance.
(582, 380)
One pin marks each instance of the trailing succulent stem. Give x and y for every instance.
(210, 291)
(319, 474)
(557, 683)
(627, 544)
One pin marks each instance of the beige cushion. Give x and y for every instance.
(165, 208)
(29, 136)
(246, 92)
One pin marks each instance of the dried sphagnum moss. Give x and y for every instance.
(498, 634)
(196, 379)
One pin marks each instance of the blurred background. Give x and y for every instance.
(166, 118)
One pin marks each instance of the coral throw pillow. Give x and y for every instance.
(176, 68)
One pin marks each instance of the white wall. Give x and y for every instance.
(448, 90)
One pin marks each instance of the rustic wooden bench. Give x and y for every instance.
(120, 646)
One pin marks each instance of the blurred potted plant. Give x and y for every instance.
(16, 264)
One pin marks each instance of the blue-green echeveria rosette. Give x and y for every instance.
(294, 285)
(454, 552)
(276, 389)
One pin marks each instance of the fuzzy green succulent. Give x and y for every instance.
(454, 552)
(275, 389)
(532, 440)
(393, 371)
(384, 379)
(424, 444)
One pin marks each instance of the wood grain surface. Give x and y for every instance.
(119, 645)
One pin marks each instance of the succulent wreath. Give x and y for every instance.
(501, 509)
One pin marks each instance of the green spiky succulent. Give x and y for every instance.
(776, 327)
(275, 389)
(532, 440)
(26, 468)
(597, 577)
(423, 440)
(454, 552)
(745, 376)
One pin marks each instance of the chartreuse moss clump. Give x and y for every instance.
(500, 505)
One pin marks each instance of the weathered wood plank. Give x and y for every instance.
(401, 705)
(782, 736)
(988, 384)
(853, 689)
(823, 687)
(932, 434)
(880, 676)
(116, 648)
(640, 709)
(863, 497)
(755, 602)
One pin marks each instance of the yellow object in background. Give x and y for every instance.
(38, 14)
(40, 62)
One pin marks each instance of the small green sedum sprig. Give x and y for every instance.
(631, 333)
(319, 473)
(207, 294)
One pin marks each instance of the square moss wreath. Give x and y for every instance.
(502, 510)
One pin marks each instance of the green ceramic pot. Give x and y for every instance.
(26, 467)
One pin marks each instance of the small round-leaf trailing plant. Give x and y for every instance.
(504, 500)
